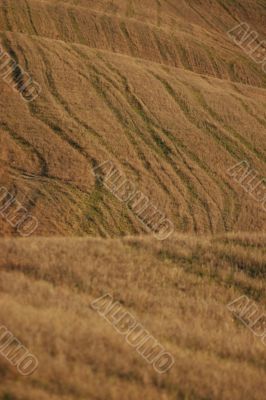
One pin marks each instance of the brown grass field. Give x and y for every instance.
(158, 88)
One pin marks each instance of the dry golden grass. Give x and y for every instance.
(157, 87)
(178, 290)
(173, 133)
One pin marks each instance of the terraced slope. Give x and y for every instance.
(183, 35)
(178, 290)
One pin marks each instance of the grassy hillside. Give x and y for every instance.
(183, 35)
(177, 289)
(173, 119)
(157, 88)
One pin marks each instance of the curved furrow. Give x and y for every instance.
(236, 204)
(147, 114)
(35, 31)
(137, 107)
(111, 8)
(105, 146)
(151, 119)
(221, 3)
(13, 190)
(6, 8)
(159, 11)
(132, 140)
(204, 127)
(223, 183)
(55, 93)
(141, 141)
(147, 142)
(72, 17)
(95, 73)
(261, 121)
(64, 105)
(201, 126)
(74, 194)
(183, 171)
(130, 9)
(128, 39)
(25, 175)
(220, 137)
(33, 109)
(27, 146)
(248, 146)
(98, 205)
(152, 126)
(215, 116)
(86, 78)
(162, 50)
(200, 15)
